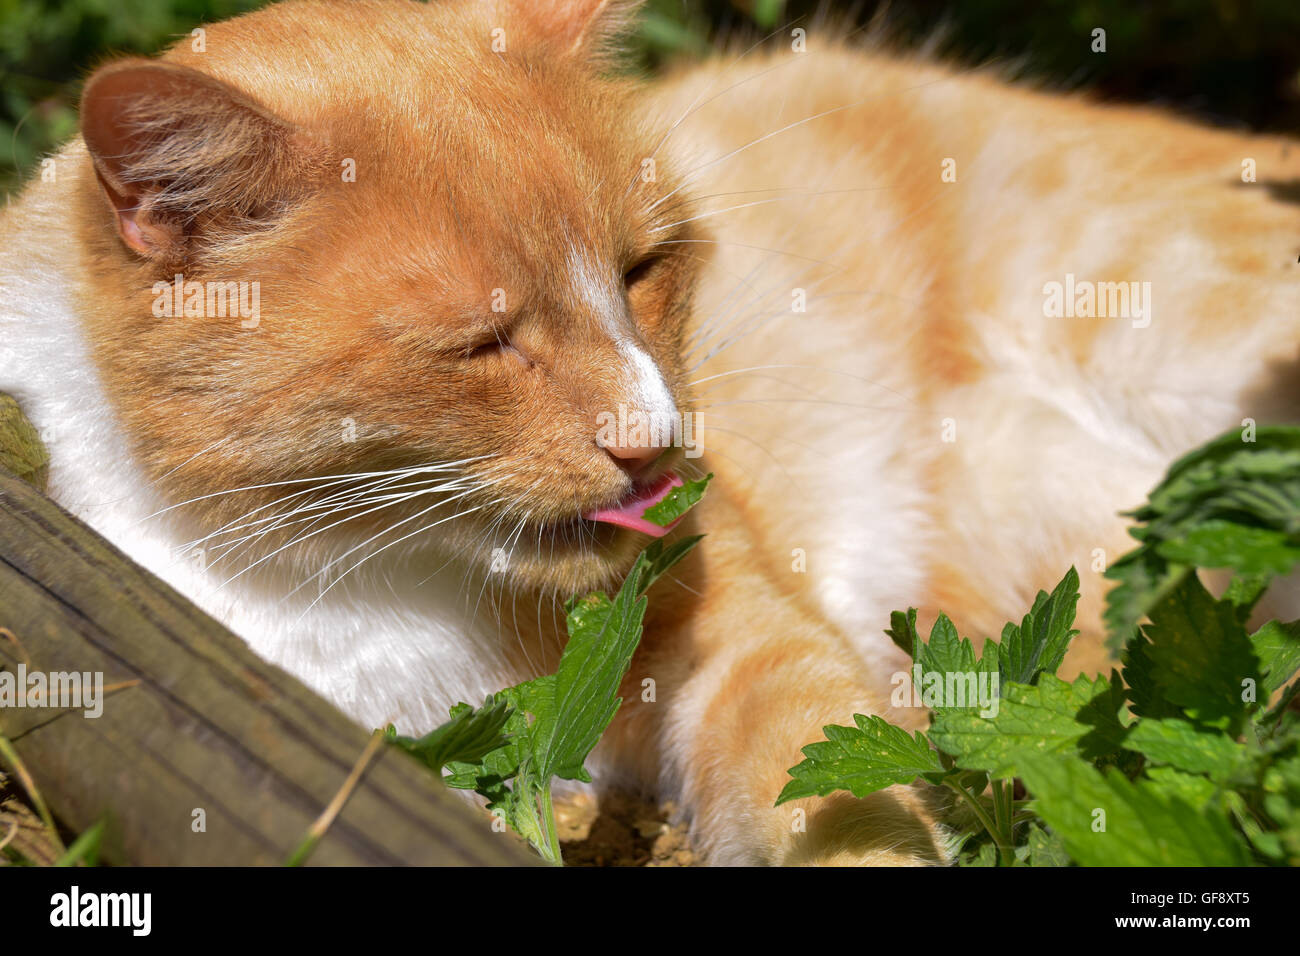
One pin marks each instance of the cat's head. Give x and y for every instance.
(458, 250)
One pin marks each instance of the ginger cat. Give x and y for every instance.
(456, 240)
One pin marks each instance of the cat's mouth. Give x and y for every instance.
(629, 511)
(594, 548)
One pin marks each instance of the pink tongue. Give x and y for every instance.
(627, 513)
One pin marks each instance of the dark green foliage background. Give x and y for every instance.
(1233, 61)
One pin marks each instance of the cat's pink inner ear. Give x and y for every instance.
(174, 148)
(106, 128)
(577, 26)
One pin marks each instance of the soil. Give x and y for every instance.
(621, 830)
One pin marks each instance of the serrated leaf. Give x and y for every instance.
(1039, 644)
(946, 652)
(986, 855)
(1233, 503)
(1224, 544)
(554, 721)
(1144, 577)
(1033, 721)
(603, 635)
(1186, 746)
(1244, 592)
(1192, 788)
(1200, 655)
(902, 631)
(518, 807)
(1277, 647)
(491, 774)
(467, 737)
(1139, 676)
(1045, 848)
(659, 558)
(863, 759)
(677, 502)
(1106, 820)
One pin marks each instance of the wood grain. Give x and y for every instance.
(208, 725)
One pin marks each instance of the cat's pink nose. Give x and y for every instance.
(633, 458)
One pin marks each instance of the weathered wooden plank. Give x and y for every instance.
(208, 725)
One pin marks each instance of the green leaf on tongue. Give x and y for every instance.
(677, 502)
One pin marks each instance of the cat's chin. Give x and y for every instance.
(575, 558)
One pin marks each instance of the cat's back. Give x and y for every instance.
(893, 242)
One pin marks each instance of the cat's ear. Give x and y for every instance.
(586, 28)
(184, 159)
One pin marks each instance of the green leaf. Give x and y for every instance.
(1282, 804)
(1039, 644)
(490, 774)
(1200, 655)
(661, 32)
(572, 710)
(1144, 577)
(659, 558)
(946, 652)
(902, 631)
(467, 738)
(1032, 721)
(677, 502)
(1223, 544)
(766, 13)
(1233, 503)
(1244, 592)
(1271, 720)
(553, 722)
(871, 756)
(1046, 848)
(1106, 820)
(1187, 746)
(986, 855)
(518, 806)
(1192, 788)
(1277, 646)
(603, 635)
(1139, 674)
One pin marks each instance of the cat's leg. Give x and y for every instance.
(746, 674)
(738, 727)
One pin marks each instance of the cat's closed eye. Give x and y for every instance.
(498, 346)
(642, 272)
(488, 348)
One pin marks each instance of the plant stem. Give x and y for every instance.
(1004, 794)
(552, 849)
(1002, 814)
(1004, 847)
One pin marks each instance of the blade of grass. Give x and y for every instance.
(11, 757)
(318, 829)
(85, 848)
